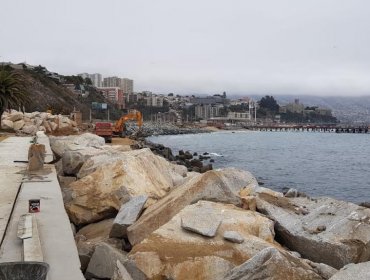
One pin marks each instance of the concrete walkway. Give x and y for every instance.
(55, 232)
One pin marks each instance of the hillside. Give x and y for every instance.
(47, 93)
(347, 109)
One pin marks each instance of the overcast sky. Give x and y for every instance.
(316, 47)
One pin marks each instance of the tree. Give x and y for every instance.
(88, 81)
(12, 92)
(269, 103)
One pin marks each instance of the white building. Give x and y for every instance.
(239, 116)
(96, 78)
(208, 111)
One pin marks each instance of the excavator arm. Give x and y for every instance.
(119, 126)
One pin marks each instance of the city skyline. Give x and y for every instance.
(241, 47)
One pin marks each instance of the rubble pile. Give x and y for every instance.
(30, 123)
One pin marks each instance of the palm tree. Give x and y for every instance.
(12, 92)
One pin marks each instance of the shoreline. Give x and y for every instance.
(165, 236)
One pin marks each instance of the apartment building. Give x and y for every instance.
(96, 78)
(114, 95)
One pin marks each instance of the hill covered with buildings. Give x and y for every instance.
(100, 97)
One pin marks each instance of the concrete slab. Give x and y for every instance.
(10, 176)
(56, 237)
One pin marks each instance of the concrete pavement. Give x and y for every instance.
(55, 232)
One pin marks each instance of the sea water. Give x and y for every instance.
(317, 163)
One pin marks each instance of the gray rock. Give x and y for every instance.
(103, 261)
(360, 271)
(291, 193)
(120, 273)
(74, 159)
(64, 182)
(62, 143)
(216, 185)
(127, 215)
(134, 271)
(29, 129)
(272, 264)
(323, 230)
(325, 271)
(233, 236)
(204, 222)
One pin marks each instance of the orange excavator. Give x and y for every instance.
(107, 130)
(120, 125)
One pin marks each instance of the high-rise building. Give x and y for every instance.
(127, 86)
(114, 95)
(95, 78)
(112, 82)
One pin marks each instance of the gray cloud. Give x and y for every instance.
(317, 47)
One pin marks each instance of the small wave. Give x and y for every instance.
(215, 154)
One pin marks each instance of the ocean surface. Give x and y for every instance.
(319, 164)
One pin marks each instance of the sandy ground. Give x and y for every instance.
(211, 128)
(122, 141)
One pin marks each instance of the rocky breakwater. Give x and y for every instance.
(154, 128)
(30, 123)
(192, 161)
(139, 216)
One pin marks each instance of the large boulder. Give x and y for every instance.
(100, 194)
(103, 261)
(216, 185)
(73, 159)
(273, 264)
(323, 230)
(171, 252)
(127, 215)
(360, 271)
(7, 125)
(29, 129)
(18, 125)
(127, 271)
(62, 143)
(88, 237)
(15, 116)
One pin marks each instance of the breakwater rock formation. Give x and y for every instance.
(192, 161)
(140, 216)
(154, 128)
(30, 123)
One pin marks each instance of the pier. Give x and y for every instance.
(309, 128)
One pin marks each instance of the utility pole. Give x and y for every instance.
(255, 113)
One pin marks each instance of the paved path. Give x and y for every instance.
(55, 232)
(10, 178)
